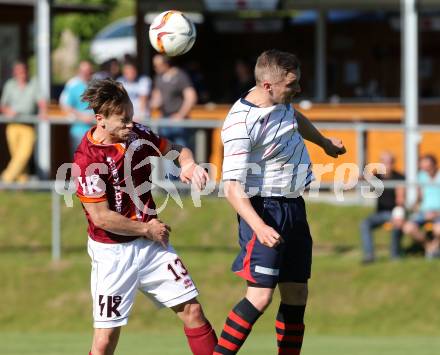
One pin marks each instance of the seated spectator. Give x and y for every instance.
(138, 89)
(428, 207)
(20, 97)
(70, 101)
(389, 208)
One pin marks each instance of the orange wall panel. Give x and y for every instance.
(319, 157)
(430, 144)
(390, 141)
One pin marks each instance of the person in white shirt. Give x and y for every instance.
(138, 89)
(266, 168)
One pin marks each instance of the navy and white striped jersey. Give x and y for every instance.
(264, 150)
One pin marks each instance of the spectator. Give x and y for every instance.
(244, 78)
(72, 103)
(389, 208)
(20, 97)
(108, 69)
(138, 89)
(174, 95)
(428, 207)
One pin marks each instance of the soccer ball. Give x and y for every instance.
(172, 33)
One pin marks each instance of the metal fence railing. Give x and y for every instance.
(44, 146)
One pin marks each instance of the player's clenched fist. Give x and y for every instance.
(268, 236)
(158, 232)
(334, 147)
(196, 174)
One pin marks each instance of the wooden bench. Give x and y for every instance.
(317, 113)
(388, 226)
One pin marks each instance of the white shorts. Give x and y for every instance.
(118, 270)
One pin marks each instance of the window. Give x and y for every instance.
(118, 31)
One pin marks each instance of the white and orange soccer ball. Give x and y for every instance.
(172, 33)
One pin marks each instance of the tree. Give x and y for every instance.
(84, 26)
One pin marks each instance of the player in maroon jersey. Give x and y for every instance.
(127, 243)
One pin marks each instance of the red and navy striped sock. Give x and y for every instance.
(237, 327)
(290, 329)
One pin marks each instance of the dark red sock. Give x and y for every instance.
(290, 329)
(201, 340)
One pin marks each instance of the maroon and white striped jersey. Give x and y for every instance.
(112, 172)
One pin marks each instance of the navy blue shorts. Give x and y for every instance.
(290, 261)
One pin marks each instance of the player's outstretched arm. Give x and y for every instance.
(191, 171)
(238, 199)
(332, 146)
(111, 221)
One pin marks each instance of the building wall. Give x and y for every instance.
(363, 57)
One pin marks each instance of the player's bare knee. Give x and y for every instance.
(192, 314)
(266, 300)
(259, 297)
(194, 311)
(261, 301)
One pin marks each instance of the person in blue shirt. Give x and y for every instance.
(428, 207)
(71, 102)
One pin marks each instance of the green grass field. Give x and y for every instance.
(135, 343)
(386, 308)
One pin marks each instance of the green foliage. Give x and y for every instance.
(84, 26)
(123, 8)
(387, 308)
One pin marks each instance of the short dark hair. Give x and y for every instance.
(129, 60)
(170, 61)
(106, 97)
(275, 63)
(431, 158)
(20, 61)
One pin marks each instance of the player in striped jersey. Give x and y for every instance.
(266, 168)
